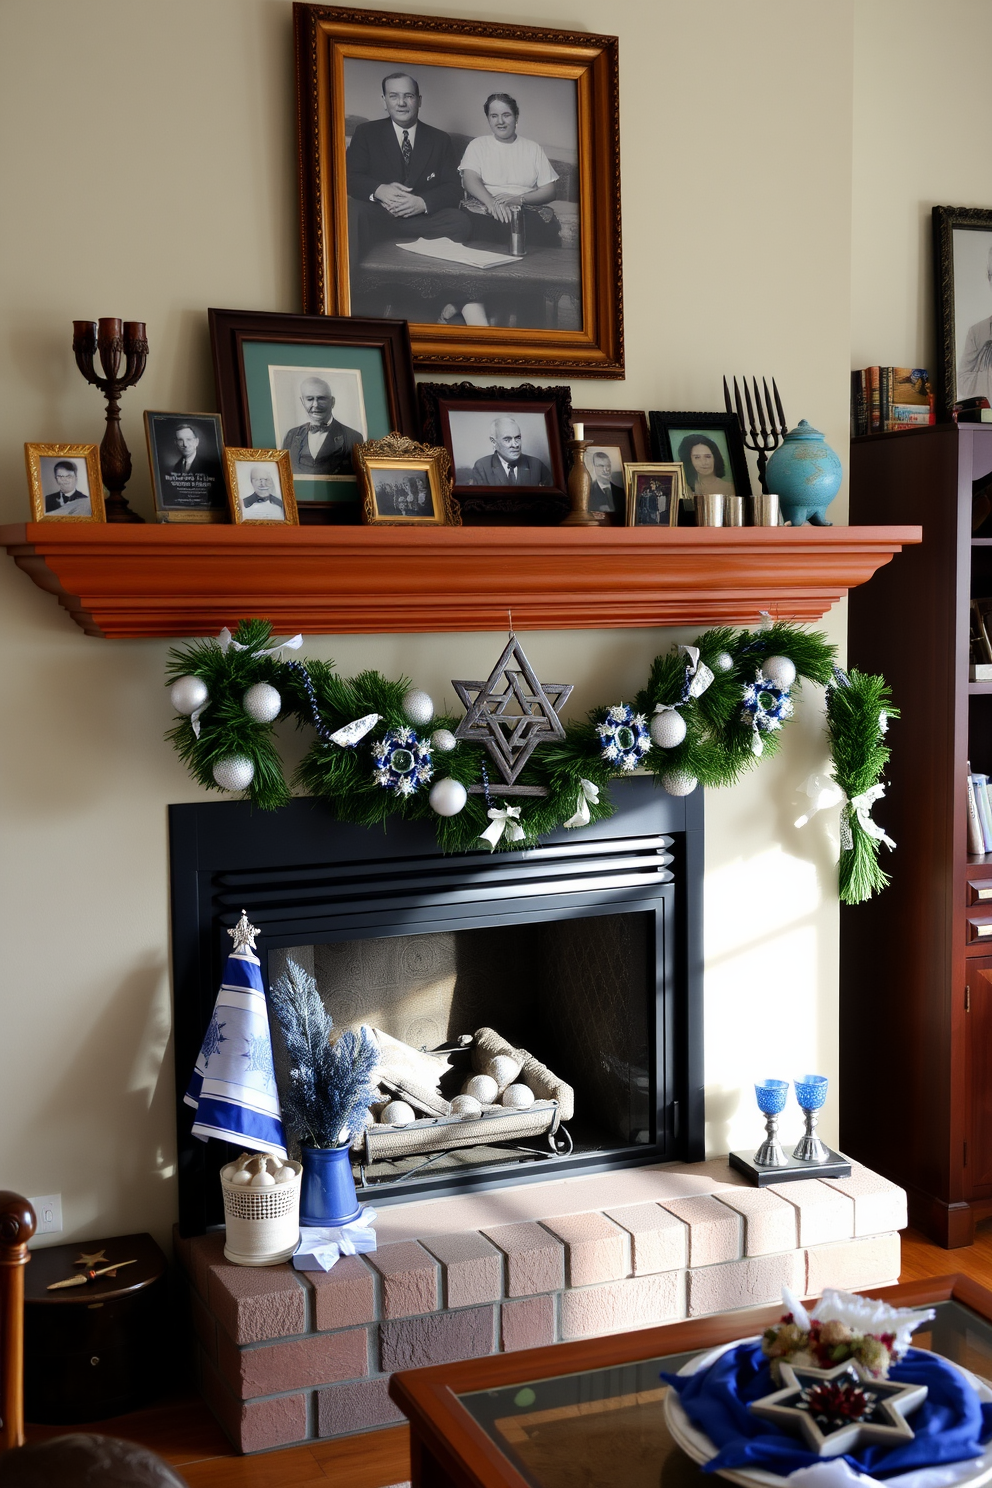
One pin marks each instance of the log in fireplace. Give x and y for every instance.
(585, 950)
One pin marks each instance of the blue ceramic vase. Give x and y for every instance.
(327, 1193)
(806, 474)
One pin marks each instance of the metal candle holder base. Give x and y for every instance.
(809, 1148)
(770, 1154)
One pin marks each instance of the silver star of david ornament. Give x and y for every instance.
(243, 935)
(883, 1425)
(511, 722)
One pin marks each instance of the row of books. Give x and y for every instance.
(979, 814)
(885, 398)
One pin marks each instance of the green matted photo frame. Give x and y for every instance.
(316, 386)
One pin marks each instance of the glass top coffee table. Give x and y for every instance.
(591, 1414)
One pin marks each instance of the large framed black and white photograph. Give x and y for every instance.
(452, 178)
(963, 271)
(184, 452)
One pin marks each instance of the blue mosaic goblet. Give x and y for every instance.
(771, 1096)
(811, 1092)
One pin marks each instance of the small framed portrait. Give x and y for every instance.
(64, 482)
(962, 256)
(260, 487)
(710, 449)
(463, 176)
(615, 439)
(184, 451)
(406, 484)
(314, 386)
(506, 447)
(653, 494)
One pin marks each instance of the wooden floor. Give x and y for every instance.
(185, 1434)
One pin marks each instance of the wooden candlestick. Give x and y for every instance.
(580, 489)
(113, 339)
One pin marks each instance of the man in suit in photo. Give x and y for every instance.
(264, 503)
(323, 445)
(607, 491)
(508, 465)
(186, 459)
(403, 179)
(68, 500)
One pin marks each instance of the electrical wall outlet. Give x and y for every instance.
(48, 1211)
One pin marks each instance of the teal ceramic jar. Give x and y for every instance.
(806, 475)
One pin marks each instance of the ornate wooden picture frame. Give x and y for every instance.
(64, 482)
(962, 262)
(420, 235)
(406, 484)
(260, 487)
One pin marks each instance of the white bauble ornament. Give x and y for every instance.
(285, 1175)
(448, 796)
(443, 740)
(187, 694)
(723, 661)
(397, 1113)
(262, 702)
(779, 669)
(482, 1087)
(418, 706)
(679, 782)
(264, 1179)
(668, 729)
(235, 773)
(466, 1105)
(241, 1177)
(518, 1096)
(503, 1069)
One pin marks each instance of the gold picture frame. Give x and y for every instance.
(648, 484)
(419, 495)
(244, 491)
(41, 461)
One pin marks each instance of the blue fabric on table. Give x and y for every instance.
(951, 1425)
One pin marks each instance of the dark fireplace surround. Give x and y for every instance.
(586, 950)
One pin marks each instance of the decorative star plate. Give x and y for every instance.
(797, 1408)
(696, 1444)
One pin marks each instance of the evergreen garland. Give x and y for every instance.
(721, 741)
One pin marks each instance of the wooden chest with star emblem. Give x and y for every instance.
(94, 1349)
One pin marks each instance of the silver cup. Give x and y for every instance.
(766, 511)
(733, 511)
(709, 510)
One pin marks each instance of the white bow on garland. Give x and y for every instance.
(825, 792)
(504, 819)
(587, 792)
(227, 642)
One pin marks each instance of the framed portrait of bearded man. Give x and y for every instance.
(463, 176)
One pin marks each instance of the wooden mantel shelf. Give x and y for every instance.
(127, 581)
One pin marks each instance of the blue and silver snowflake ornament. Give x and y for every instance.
(766, 707)
(624, 737)
(402, 761)
(212, 1039)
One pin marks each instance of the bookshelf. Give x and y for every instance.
(916, 964)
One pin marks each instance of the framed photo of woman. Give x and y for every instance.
(463, 176)
(710, 449)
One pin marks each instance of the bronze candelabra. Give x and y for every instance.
(114, 339)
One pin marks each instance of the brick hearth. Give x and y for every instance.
(286, 1356)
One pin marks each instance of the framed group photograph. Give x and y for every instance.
(962, 256)
(314, 386)
(653, 494)
(463, 175)
(710, 449)
(260, 487)
(185, 454)
(406, 484)
(615, 439)
(64, 482)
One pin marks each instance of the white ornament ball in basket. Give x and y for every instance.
(518, 1097)
(482, 1087)
(234, 773)
(503, 1069)
(679, 782)
(466, 1105)
(262, 702)
(397, 1113)
(668, 729)
(261, 1209)
(187, 694)
(418, 706)
(448, 797)
(779, 669)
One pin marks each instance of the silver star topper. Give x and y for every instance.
(511, 723)
(243, 935)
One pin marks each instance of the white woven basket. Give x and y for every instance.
(263, 1224)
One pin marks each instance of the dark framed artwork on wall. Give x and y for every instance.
(315, 386)
(615, 439)
(463, 176)
(710, 449)
(507, 448)
(962, 258)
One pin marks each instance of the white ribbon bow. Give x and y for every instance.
(195, 716)
(698, 671)
(823, 792)
(226, 641)
(354, 732)
(861, 807)
(504, 819)
(587, 792)
(324, 1247)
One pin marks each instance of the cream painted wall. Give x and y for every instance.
(148, 170)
